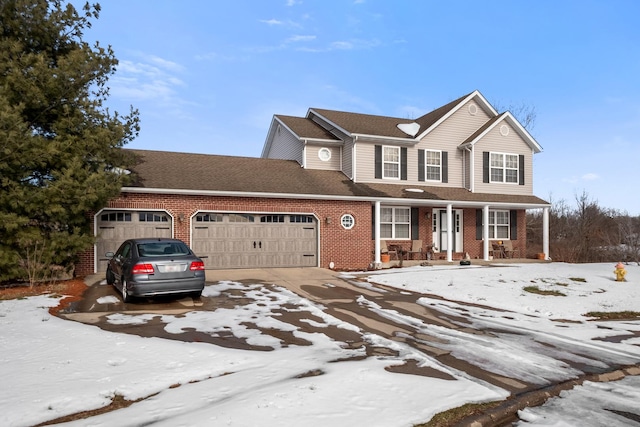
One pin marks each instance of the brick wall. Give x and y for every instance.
(347, 249)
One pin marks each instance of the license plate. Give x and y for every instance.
(173, 268)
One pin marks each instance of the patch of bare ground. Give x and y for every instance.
(71, 290)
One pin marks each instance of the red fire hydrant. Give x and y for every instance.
(620, 272)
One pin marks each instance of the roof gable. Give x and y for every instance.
(494, 122)
(431, 120)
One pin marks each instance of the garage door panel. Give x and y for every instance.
(254, 244)
(115, 226)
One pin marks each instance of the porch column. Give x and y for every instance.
(545, 232)
(449, 232)
(376, 233)
(485, 231)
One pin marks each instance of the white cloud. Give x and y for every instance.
(299, 38)
(590, 177)
(271, 21)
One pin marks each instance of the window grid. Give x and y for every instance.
(301, 218)
(209, 218)
(391, 162)
(504, 168)
(241, 218)
(116, 217)
(347, 221)
(395, 223)
(433, 165)
(499, 226)
(152, 217)
(272, 218)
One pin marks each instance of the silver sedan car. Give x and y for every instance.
(152, 267)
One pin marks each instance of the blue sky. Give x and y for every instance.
(207, 76)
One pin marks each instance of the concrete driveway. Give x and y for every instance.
(339, 298)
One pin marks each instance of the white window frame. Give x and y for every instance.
(501, 167)
(347, 221)
(499, 221)
(428, 165)
(385, 162)
(394, 222)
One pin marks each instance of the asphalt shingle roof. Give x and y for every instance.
(187, 172)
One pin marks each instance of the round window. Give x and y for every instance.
(324, 154)
(347, 221)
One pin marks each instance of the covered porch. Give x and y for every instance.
(453, 231)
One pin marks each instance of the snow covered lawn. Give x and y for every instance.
(53, 367)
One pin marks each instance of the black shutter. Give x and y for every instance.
(445, 166)
(415, 226)
(403, 163)
(420, 165)
(479, 224)
(485, 166)
(378, 164)
(513, 224)
(521, 178)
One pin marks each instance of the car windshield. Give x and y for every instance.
(162, 249)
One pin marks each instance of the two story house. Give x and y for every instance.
(333, 188)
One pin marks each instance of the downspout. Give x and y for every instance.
(304, 153)
(545, 232)
(376, 234)
(472, 165)
(353, 159)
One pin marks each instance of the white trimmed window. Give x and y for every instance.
(433, 165)
(395, 223)
(499, 225)
(391, 162)
(347, 221)
(504, 168)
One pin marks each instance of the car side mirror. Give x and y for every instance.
(109, 254)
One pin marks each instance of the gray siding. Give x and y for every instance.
(313, 160)
(445, 137)
(285, 145)
(494, 141)
(347, 159)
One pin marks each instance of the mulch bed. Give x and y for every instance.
(71, 289)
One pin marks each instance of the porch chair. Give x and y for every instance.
(497, 250)
(416, 248)
(511, 251)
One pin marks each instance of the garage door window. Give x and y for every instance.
(272, 218)
(116, 217)
(152, 217)
(241, 218)
(209, 218)
(301, 218)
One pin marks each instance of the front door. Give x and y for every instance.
(440, 230)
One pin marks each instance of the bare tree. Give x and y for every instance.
(525, 113)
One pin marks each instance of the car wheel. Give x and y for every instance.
(125, 295)
(196, 295)
(111, 278)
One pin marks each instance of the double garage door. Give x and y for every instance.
(237, 240)
(226, 240)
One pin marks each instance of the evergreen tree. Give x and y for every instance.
(61, 151)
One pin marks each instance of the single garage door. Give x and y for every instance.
(114, 227)
(238, 240)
